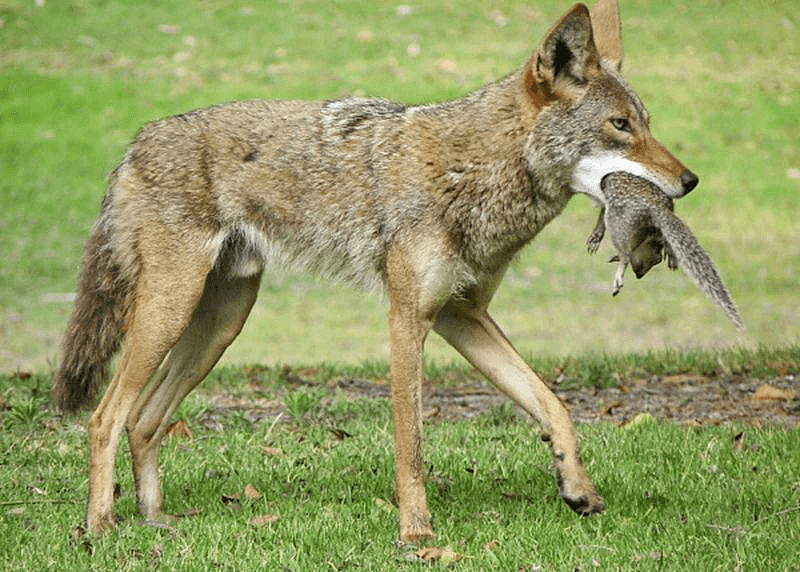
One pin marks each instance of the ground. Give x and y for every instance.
(688, 399)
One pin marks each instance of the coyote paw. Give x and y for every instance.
(585, 505)
(416, 526)
(593, 242)
(161, 520)
(102, 523)
(416, 533)
(579, 494)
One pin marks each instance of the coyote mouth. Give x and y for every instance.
(589, 172)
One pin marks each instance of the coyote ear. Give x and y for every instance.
(607, 32)
(567, 53)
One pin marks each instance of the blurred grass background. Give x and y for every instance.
(721, 80)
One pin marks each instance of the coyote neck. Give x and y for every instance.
(491, 197)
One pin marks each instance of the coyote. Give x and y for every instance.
(430, 202)
(642, 224)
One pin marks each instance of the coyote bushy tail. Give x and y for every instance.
(96, 325)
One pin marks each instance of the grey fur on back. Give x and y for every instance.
(635, 205)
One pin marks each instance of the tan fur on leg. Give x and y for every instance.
(161, 313)
(471, 331)
(216, 322)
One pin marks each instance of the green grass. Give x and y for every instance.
(79, 77)
(677, 498)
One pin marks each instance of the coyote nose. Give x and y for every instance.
(689, 180)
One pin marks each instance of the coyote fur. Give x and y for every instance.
(430, 202)
(642, 225)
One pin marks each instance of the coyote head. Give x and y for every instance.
(587, 118)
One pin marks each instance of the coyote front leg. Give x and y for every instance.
(408, 327)
(471, 331)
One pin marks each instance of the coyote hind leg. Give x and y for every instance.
(475, 335)
(162, 309)
(215, 323)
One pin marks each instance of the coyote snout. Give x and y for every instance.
(645, 157)
(689, 181)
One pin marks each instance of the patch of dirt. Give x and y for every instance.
(687, 399)
(684, 399)
(690, 400)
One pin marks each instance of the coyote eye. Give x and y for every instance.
(621, 124)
